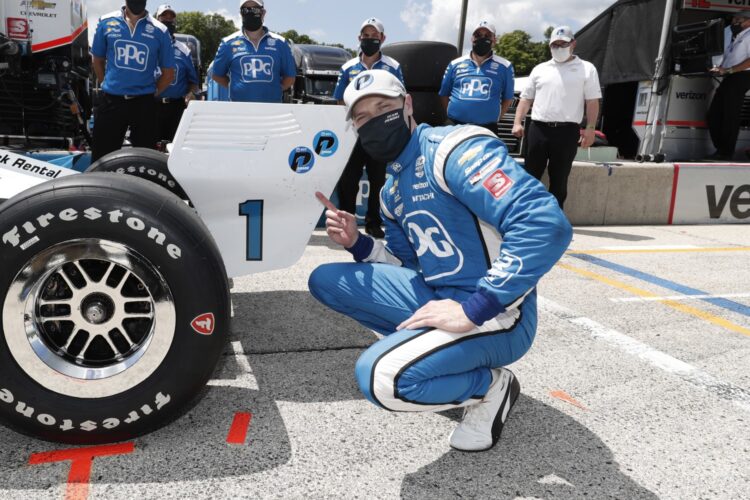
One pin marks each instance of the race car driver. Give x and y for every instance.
(468, 234)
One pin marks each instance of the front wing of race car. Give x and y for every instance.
(251, 170)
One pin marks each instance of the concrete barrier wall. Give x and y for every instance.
(619, 194)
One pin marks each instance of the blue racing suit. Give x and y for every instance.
(463, 221)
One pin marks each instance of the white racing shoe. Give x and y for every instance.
(483, 422)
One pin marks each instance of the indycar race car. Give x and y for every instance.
(114, 288)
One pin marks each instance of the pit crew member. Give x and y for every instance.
(371, 38)
(478, 88)
(128, 46)
(254, 63)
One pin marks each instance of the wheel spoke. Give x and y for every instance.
(83, 273)
(64, 276)
(124, 280)
(71, 338)
(107, 273)
(82, 355)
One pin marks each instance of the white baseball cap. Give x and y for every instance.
(486, 25)
(372, 82)
(259, 2)
(374, 22)
(165, 8)
(563, 33)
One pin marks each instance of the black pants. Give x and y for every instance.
(553, 148)
(168, 116)
(113, 117)
(492, 127)
(349, 184)
(724, 112)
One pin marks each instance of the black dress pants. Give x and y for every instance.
(168, 116)
(553, 147)
(115, 114)
(724, 112)
(349, 184)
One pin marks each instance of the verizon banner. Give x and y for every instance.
(717, 194)
(721, 5)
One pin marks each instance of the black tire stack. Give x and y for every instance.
(423, 65)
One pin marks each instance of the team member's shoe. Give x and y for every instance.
(483, 422)
(374, 230)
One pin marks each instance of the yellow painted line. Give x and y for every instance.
(698, 313)
(662, 250)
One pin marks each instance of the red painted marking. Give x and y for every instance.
(674, 123)
(238, 430)
(674, 193)
(80, 468)
(60, 41)
(564, 396)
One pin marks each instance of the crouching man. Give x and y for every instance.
(468, 234)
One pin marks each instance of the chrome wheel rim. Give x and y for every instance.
(89, 318)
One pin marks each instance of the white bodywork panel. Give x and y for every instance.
(233, 160)
(18, 173)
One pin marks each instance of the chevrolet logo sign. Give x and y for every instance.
(39, 4)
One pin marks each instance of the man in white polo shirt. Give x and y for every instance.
(559, 89)
(724, 112)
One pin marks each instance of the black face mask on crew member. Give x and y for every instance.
(385, 137)
(252, 18)
(369, 46)
(736, 29)
(171, 27)
(481, 46)
(136, 6)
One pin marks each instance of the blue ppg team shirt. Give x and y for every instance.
(184, 72)
(132, 57)
(254, 74)
(476, 92)
(353, 67)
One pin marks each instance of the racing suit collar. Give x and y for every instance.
(408, 156)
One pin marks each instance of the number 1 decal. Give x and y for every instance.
(253, 210)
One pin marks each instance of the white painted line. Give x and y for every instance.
(246, 379)
(650, 247)
(656, 358)
(680, 297)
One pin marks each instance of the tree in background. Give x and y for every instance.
(306, 40)
(208, 28)
(518, 48)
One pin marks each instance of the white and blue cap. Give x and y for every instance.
(372, 82)
(486, 25)
(563, 33)
(374, 22)
(164, 8)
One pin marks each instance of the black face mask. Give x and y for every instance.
(171, 27)
(369, 46)
(252, 22)
(736, 29)
(385, 137)
(136, 6)
(481, 46)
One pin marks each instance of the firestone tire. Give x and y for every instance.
(115, 309)
(140, 162)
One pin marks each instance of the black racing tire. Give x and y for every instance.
(422, 63)
(428, 108)
(140, 162)
(115, 309)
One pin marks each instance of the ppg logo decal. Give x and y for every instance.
(325, 143)
(256, 69)
(131, 55)
(428, 235)
(301, 160)
(363, 81)
(476, 89)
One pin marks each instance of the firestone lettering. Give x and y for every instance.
(17, 236)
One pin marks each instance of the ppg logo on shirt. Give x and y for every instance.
(131, 55)
(476, 89)
(428, 235)
(257, 69)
